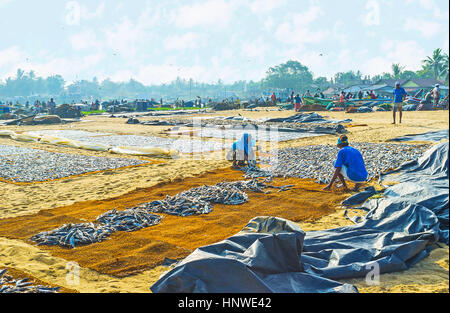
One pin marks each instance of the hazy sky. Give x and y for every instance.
(156, 41)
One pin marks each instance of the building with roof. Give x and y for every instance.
(411, 86)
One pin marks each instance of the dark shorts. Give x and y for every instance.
(398, 106)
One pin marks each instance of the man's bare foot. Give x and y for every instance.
(327, 188)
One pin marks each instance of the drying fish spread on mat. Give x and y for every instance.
(71, 235)
(128, 220)
(197, 200)
(9, 284)
(317, 162)
(200, 200)
(32, 165)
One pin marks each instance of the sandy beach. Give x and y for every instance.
(132, 262)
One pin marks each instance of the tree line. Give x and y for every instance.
(291, 74)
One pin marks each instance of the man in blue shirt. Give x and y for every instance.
(349, 165)
(399, 96)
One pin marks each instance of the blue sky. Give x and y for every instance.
(156, 41)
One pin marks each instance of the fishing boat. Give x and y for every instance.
(313, 100)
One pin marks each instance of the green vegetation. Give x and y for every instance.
(171, 109)
(291, 74)
(93, 112)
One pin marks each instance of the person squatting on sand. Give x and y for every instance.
(399, 96)
(349, 165)
(242, 151)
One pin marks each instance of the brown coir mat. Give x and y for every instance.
(127, 253)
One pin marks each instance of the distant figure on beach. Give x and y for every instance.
(348, 165)
(274, 99)
(342, 99)
(242, 151)
(436, 96)
(298, 103)
(52, 106)
(399, 96)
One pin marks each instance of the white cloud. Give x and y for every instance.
(296, 29)
(446, 43)
(430, 5)
(10, 56)
(84, 40)
(407, 53)
(213, 13)
(124, 38)
(269, 23)
(187, 41)
(255, 49)
(425, 27)
(376, 66)
(264, 6)
(51, 65)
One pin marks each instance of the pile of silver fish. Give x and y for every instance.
(200, 200)
(317, 162)
(10, 285)
(128, 220)
(252, 171)
(72, 235)
(8, 150)
(32, 165)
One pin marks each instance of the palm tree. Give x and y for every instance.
(444, 70)
(434, 63)
(397, 70)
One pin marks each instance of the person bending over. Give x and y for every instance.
(348, 165)
(242, 151)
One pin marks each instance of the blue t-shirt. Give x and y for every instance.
(353, 160)
(399, 93)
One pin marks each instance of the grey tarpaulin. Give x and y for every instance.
(424, 182)
(307, 118)
(360, 197)
(393, 237)
(275, 255)
(263, 257)
(430, 136)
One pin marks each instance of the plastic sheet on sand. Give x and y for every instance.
(275, 255)
(424, 182)
(149, 151)
(93, 146)
(435, 136)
